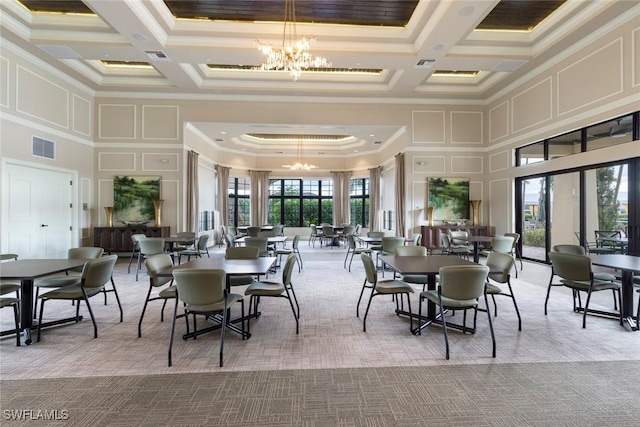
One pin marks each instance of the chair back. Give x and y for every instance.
(135, 238)
(416, 239)
(348, 229)
(352, 241)
(314, 230)
(570, 266)
(287, 271)
(459, 237)
(411, 251)
(200, 286)
(278, 230)
(155, 264)
(446, 241)
(253, 231)
(516, 238)
(369, 268)
(502, 244)
(242, 252)
(85, 253)
(375, 234)
(327, 230)
(231, 229)
(463, 282)
(97, 272)
(389, 244)
(202, 242)
(500, 265)
(229, 240)
(357, 230)
(607, 233)
(296, 240)
(266, 233)
(259, 242)
(188, 234)
(570, 249)
(151, 246)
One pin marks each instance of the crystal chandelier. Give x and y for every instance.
(293, 56)
(300, 164)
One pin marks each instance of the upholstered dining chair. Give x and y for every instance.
(135, 238)
(7, 286)
(395, 287)
(181, 246)
(270, 288)
(500, 265)
(241, 252)
(515, 250)
(417, 279)
(96, 273)
(460, 288)
(200, 249)
(262, 243)
(253, 231)
(148, 247)
(388, 247)
(353, 249)
(203, 292)
(313, 235)
(575, 272)
(154, 265)
(598, 275)
(72, 277)
(294, 250)
(13, 303)
(328, 234)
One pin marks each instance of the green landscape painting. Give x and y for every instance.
(133, 198)
(450, 198)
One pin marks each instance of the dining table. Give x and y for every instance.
(232, 267)
(429, 266)
(628, 265)
(27, 271)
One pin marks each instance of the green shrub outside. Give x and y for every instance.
(533, 237)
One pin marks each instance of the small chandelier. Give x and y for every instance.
(293, 56)
(300, 164)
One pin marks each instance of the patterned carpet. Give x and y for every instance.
(331, 374)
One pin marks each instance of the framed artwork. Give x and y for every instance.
(133, 198)
(449, 198)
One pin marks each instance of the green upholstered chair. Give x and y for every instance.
(460, 288)
(96, 273)
(7, 286)
(269, 288)
(154, 265)
(575, 273)
(416, 239)
(376, 235)
(294, 250)
(241, 252)
(598, 275)
(198, 250)
(135, 238)
(253, 231)
(449, 249)
(500, 266)
(328, 234)
(72, 277)
(388, 247)
(417, 279)
(459, 243)
(515, 250)
(394, 287)
(353, 249)
(13, 302)
(262, 243)
(313, 235)
(148, 247)
(181, 246)
(203, 292)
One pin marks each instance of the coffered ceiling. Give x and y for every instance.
(382, 51)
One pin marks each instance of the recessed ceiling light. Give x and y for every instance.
(438, 46)
(223, 132)
(139, 37)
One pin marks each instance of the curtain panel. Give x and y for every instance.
(259, 197)
(192, 191)
(400, 195)
(341, 197)
(223, 196)
(374, 198)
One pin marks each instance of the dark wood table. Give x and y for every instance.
(232, 267)
(476, 240)
(27, 270)
(424, 265)
(628, 265)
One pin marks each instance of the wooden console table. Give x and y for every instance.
(432, 235)
(118, 239)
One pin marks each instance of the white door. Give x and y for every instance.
(38, 213)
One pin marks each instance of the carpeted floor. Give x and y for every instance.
(331, 374)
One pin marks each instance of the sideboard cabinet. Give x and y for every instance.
(432, 235)
(118, 239)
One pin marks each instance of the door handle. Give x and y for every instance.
(44, 225)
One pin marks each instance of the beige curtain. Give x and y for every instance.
(374, 198)
(341, 197)
(192, 191)
(259, 197)
(400, 190)
(223, 196)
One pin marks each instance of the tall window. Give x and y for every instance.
(300, 203)
(359, 193)
(239, 201)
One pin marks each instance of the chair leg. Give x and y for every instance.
(546, 300)
(444, 330)
(364, 322)
(295, 316)
(515, 305)
(364, 285)
(115, 291)
(144, 308)
(222, 329)
(173, 328)
(130, 261)
(40, 320)
(93, 319)
(615, 300)
(493, 337)
(17, 323)
(586, 307)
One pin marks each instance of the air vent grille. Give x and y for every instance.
(425, 63)
(157, 55)
(41, 147)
